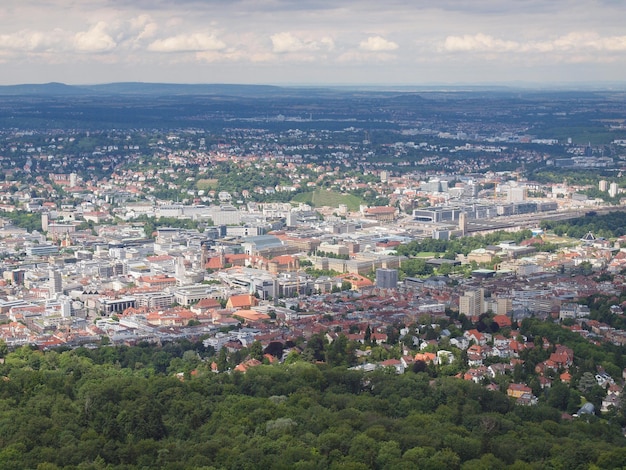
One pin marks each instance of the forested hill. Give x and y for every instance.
(125, 408)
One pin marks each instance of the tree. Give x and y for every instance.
(587, 382)
(315, 347)
(340, 352)
(222, 360)
(415, 267)
(368, 335)
(255, 351)
(559, 395)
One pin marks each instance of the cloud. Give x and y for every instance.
(143, 26)
(30, 41)
(359, 57)
(478, 42)
(378, 44)
(287, 42)
(95, 39)
(572, 42)
(588, 40)
(196, 42)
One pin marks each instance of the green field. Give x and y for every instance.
(319, 198)
(207, 184)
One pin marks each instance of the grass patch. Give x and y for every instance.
(320, 197)
(207, 183)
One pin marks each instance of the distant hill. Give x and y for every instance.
(327, 91)
(52, 88)
(139, 88)
(214, 89)
(183, 89)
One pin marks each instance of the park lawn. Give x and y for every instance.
(320, 197)
(207, 183)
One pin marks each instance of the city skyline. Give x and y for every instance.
(312, 42)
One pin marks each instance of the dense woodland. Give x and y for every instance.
(608, 225)
(125, 407)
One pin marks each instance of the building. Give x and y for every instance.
(472, 303)
(243, 301)
(55, 282)
(42, 250)
(190, 294)
(516, 194)
(111, 306)
(500, 306)
(155, 300)
(381, 213)
(438, 214)
(333, 249)
(160, 281)
(386, 278)
(572, 311)
(261, 244)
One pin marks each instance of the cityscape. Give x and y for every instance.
(455, 237)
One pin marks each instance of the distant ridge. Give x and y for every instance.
(183, 89)
(139, 88)
(258, 91)
(52, 88)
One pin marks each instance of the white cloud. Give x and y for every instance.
(144, 25)
(31, 41)
(284, 40)
(574, 42)
(378, 44)
(478, 42)
(95, 39)
(588, 40)
(196, 42)
(287, 42)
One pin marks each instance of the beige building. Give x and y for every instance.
(499, 306)
(480, 256)
(472, 303)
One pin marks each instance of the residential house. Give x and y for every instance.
(476, 374)
(516, 390)
(395, 363)
(478, 337)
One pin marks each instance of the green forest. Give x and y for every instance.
(608, 225)
(125, 408)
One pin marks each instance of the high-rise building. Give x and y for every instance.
(516, 194)
(613, 189)
(472, 303)
(463, 223)
(55, 282)
(603, 185)
(386, 278)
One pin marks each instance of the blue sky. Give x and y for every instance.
(306, 42)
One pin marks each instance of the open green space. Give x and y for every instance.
(319, 198)
(207, 183)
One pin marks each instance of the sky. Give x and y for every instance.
(313, 42)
